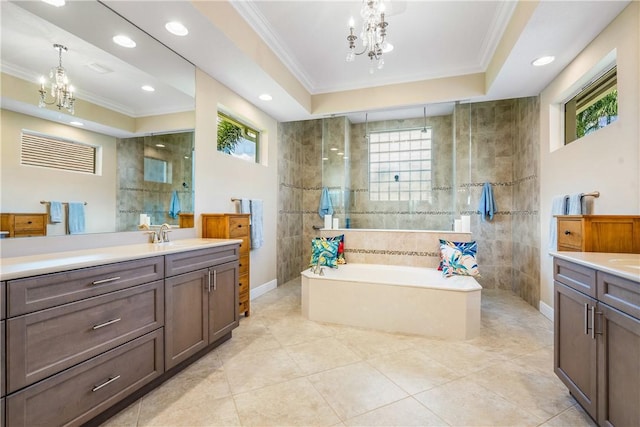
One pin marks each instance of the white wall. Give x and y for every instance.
(23, 187)
(220, 177)
(608, 160)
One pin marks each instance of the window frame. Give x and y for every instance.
(246, 132)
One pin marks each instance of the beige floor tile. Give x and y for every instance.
(405, 412)
(238, 346)
(541, 394)
(412, 370)
(572, 417)
(459, 356)
(292, 403)
(292, 331)
(368, 343)
(249, 371)
(211, 412)
(128, 417)
(321, 355)
(542, 360)
(355, 389)
(465, 403)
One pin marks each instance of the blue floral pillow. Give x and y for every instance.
(459, 258)
(325, 251)
(340, 238)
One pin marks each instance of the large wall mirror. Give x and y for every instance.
(123, 122)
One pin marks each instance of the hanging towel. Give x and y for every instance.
(174, 208)
(256, 224)
(575, 204)
(55, 212)
(558, 207)
(487, 205)
(75, 218)
(325, 207)
(245, 206)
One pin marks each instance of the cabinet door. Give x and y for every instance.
(618, 369)
(223, 300)
(575, 349)
(186, 321)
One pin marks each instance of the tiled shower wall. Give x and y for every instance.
(502, 150)
(136, 196)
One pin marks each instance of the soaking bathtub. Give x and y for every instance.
(409, 300)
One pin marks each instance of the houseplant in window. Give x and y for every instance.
(229, 135)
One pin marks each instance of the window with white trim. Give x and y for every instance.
(53, 152)
(400, 165)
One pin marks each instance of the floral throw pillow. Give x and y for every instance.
(340, 238)
(324, 252)
(459, 258)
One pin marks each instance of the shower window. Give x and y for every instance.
(400, 165)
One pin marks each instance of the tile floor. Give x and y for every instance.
(282, 370)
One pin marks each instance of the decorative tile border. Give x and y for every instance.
(390, 252)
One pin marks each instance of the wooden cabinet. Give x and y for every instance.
(72, 340)
(202, 301)
(234, 226)
(185, 220)
(599, 233)
(24, 224)
(597, 341)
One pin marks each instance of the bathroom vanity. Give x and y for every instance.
(597, 333)
(88, 332)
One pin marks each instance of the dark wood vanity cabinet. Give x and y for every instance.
(597, 342)
(2, 350)
(202, 304)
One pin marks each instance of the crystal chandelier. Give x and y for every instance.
(61, 91)
(373, 35)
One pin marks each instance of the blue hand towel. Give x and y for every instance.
(325, 207)
(575, 204)
(558, 207)
(75, 218)
(487, 206)
(174, 208)
(256, 224)
(245, 206)
(55, 212)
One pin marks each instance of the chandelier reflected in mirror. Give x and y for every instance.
(373, 34)
(61, 91)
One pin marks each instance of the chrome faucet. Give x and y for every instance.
(163, 233)
(317, 269)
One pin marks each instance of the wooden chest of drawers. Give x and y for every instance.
(24, 224)
(599, 233)
(233, 226)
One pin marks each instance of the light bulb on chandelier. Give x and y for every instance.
(373, 34)
(61, 91)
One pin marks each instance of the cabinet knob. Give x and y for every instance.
(29, 222)
(567, 232)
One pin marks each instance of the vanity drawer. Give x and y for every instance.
(619, 293)
(245, 245)
(578, 277)
(41, 292)
(24, 224)
(243, 284)
(243, 265)
(238, 226)
(43, 343)
(569, 234)
(82, 392)
(185, 262)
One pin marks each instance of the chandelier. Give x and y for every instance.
(373, 34)
(61, 91)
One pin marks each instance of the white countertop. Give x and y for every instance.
(24, 266)
(623, 265)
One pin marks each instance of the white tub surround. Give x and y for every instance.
(31, 265)
(398, 299)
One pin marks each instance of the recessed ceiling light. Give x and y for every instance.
(325, 158)
(543, 60)
(76, 123)
(176, 28)
(346, 158)
(56, 3)
(124, 41)
(341, 154)
(148, 88)
(265, 97)
(333, 149)
(160, 145)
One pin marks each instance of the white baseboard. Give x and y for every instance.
(546, 311)
(263, 289)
